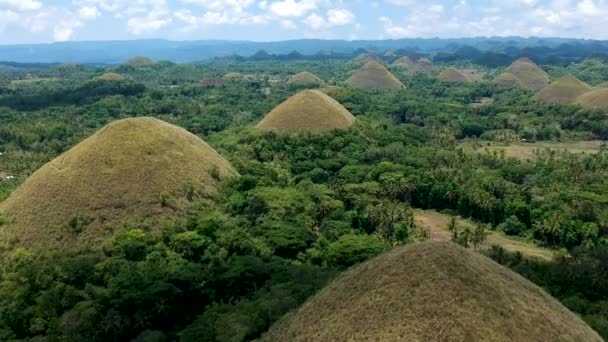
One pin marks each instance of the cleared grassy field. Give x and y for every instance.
(525, 151)
(436, 224)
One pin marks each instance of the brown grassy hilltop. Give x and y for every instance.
(139, 61)
(404, 62)
(308, 111)
(111, 76)
(433, 291)
(565, 90)
(366, 57)
(305, 79)
(453, 75)
(507, 80)
(373, 76)
(530, 75)
(424, 65)
(118, 175)
(594, 99)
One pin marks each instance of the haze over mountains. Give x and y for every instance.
(493, 51)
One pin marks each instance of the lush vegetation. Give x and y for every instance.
(306, 207)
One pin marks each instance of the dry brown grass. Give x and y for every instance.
(111, 76)
(373, 76)
(452, 75)
(433, 291)
(436, 224)
(139, 61)
(308, 111)
(564, 91)
(530, 75)
(594, 99)
(404, 62)
(116, 176)
(305, 79)
(366, 57)
(507, 80)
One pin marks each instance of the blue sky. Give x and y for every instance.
(41, 21)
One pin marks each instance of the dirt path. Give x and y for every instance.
(436, 224)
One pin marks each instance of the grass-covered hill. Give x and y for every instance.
(373, 76)
(139, 169)
(432, 292)
(111, 76)
(139, 61)
(594, 99)
(507, 80)
(452, 74)
(305, 79)
(531, 76)
(404, 62)
(308, 111)
(564, 91)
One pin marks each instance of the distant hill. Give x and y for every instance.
(493, 51)
(373, 76)
(453, 75)
(530, 75)
(305, 79)
(565, 90)
(434, 291)
(307, 111)
(594, 99)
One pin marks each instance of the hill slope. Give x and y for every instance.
(404, 62)
(565, 90)
(531, 76)
(594, 99)
(304, 79)
(434, 291)
(374, 76)
(507, 80)
(117, 175)
(452, 75)
(307, 111)
(111, 76)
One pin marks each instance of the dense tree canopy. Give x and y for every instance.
(306, 206)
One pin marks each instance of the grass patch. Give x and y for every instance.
(437, 225)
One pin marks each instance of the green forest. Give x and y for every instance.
(307, 206)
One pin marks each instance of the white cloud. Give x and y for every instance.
(288, 25)
(153, 22)
(88, 12)
(340, 17)
(20, 5)
(315, 22)
(292, 8)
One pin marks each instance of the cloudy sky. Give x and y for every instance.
(41, 21)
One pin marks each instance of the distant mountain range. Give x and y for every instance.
(115, 52)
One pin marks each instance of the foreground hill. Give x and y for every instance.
(564, 91)
(120, 174)
(373, 76)
(307, 111)
(435, 291)
(531, 76)
(594, 99)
